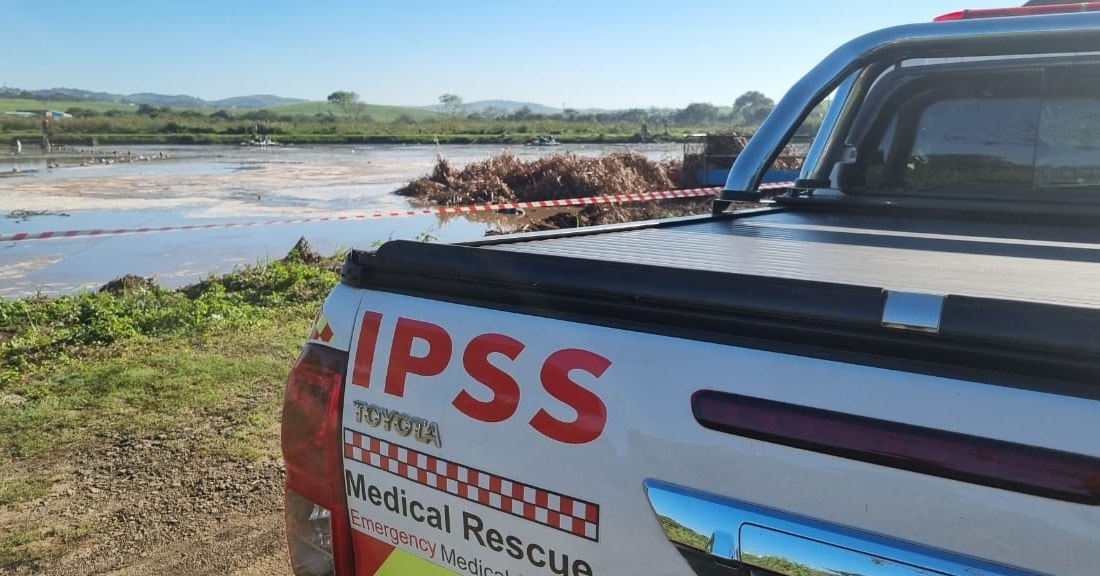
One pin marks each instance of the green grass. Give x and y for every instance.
(17, 547)
(377, 112)
(12, 104)
(152, 359)
(144, 385)
(316, 123)
(32, 545)
(205, 365)
(16, 490)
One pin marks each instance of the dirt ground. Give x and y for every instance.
(155, 505)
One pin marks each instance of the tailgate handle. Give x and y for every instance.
(790, 545)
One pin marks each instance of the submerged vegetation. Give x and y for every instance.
(505, 178)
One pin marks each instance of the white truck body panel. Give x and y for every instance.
(651, 434)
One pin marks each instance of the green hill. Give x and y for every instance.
(377, 112)
(13, 104)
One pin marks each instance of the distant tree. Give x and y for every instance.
(752, 107)
(663, 114)
(452, 102)
(524, 113)
(697, 114)
(571, 114)
(813, 121)
(343, 98)
(348, 102)
(153, 111)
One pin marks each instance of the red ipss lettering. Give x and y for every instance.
(505, 389)
(486, 358)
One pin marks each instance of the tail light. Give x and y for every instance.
(318, 534)
(995, 463)
(1020, 11)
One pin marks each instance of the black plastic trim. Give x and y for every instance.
(750, 312)
(635, 283)
(1034, 470)
(1033, 324)
(741, 196)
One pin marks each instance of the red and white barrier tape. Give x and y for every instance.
(611, 199)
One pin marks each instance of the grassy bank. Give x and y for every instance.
(132, 356)
(134, 360)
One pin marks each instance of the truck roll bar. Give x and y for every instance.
(852, 68)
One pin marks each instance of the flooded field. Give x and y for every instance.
(125, 187)
(244, 181)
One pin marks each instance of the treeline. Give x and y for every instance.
(334, 124)
(696, 114)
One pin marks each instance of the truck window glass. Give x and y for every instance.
(946, 129)
(962, 133)
(982, 137)
(1068, 149)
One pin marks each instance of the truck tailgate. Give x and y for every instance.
(482, 441)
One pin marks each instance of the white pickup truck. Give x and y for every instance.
(892, 370)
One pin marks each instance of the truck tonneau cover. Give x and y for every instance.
(1020, 288)
(1036, 263)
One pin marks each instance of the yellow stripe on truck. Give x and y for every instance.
(401, 563)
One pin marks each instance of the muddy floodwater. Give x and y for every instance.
(135, 187)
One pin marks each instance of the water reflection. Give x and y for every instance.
(200, 185)
(790, 545)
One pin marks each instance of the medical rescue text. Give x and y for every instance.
(440, 520)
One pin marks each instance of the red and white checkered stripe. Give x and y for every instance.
(610, 199)
(552, 509)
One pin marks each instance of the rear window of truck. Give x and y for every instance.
(972, 132)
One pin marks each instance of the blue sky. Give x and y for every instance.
(608, 54)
